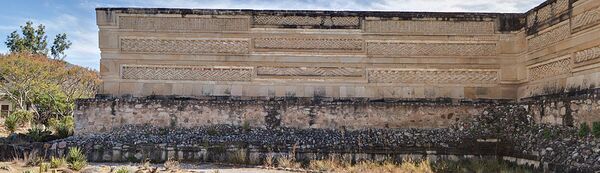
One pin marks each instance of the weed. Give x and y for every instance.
(172, 164)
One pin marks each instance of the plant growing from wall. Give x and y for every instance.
(596, 129)
(584, 129)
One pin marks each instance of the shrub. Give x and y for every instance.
(122, 170)
(268, 162)
(584, 129)
(596, 129)
(63, 127)
(22, 116)
(39, 133)
(11, 122)
(78, 165)
(57, 162)
(44, 167)
(76, 159)
(239, 157)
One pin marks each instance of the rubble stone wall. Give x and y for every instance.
(99, 115)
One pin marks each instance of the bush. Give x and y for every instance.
(122, 170)
(44, 167)
(78, 165)
(76, 159)
(57, 162)
(10, 123)
(63, 127)
(596, 129)
(23, 116)
(584, 129)
(39, 133)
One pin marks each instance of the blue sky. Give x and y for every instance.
(77, 17)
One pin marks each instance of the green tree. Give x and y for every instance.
(33, 40)
(45, 86)
(61, 43)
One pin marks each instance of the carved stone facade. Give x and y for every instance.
(309, 44)
(555, 67)
(588, 18)
(310, 71)
(183, 23)
(434, 76)
(165, 72)
(430, 49)
(304, 21)
(293, 53)
(184, 46)
(550, 37)
(429, 27)
(587, 54)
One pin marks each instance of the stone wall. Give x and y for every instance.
(562, 48)
(258, 53)
(101, 115)
(198, 52)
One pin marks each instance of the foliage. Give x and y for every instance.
(584, 129)
(61, 43)
(596, 129)
(122, 170)
(76, 159)
(11, 122)
(63, 127)
(239, 157)
(23, 117)
(32, 41)
(78, 165)
(268, 162)
(39, 133)
(49, 87)
(57, 162)
(44, 167)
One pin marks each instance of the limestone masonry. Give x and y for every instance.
(198, 84)
(552, 48)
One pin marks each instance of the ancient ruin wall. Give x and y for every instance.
(254, 53)
(102, 115)
(563, 48)
(550, 49)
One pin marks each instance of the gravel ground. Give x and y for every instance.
(185, 167)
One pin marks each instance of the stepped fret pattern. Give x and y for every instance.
(194, 73)
(448, 76)
(184, 46)
(310, 71)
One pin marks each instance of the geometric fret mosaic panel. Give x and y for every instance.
(195, 73)
(441, 76)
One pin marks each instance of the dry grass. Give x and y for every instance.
(172, 165)
(268, 162)
(239, 157)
